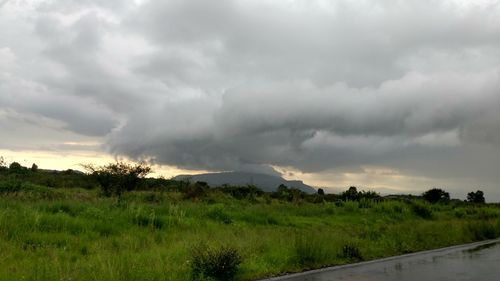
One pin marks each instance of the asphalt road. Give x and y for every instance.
(471, 262)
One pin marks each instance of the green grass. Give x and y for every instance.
(74, 234)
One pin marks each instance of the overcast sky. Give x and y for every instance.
(386, 95)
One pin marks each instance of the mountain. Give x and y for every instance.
(265, 182)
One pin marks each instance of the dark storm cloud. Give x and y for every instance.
(314, 128)
(224, 85)
(314, 87)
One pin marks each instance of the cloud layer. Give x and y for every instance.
(311, 85)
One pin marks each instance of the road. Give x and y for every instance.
(471, 262)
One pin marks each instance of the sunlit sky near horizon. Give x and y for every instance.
(392, 96)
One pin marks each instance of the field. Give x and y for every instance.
(58, 233)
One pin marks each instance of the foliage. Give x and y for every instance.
(476, 197)
(217, 213)
(241, 192)
(51, 233)
(218, 263)
(309, 251)
(421, 209)
(3, 164)
(288, 194)
(17, 168)
(352, 194)
(351, 252)
(435, 195)
(56, 226)
(194, 191)
(11, 186)
(116, 178)
(483, 230)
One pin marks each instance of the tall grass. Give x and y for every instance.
(73, 234)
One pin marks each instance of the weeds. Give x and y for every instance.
(216, 263)
(351, 252)
(309, 251)
(53, 233)
(422, 210)
(483, 230)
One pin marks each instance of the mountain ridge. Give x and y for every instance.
(265, 182)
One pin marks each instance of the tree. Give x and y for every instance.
(351, 194)
(321, 191)
(3, 164)
(116, 178)
(34, 168)
(435, 195)
(476, 197)
(15, 167)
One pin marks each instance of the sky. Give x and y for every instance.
(392, 96)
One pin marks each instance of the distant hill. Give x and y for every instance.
(265, 182)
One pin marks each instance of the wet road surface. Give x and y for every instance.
(477, 261)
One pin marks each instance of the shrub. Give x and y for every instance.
(116, 178)
(351, 252)
(194, 191)
(350, 194)
(436, 195)
(476, 197)
(351, 206)
(241, 192)
(460, 213)
(309, 251)
(10, 186)
(217, 213)
(482, 230)
(3, 164)
(15, 167)
(217, 263)
(421, 210)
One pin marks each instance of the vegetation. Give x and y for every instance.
(436, 195)
(214, 263)
(63, 226)
(116, 178)
(476, 197)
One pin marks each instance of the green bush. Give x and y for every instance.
(460, 213)
(116, 178)
(309, 251)
(421, 210)
(482, 230)
(435, 195)
(194, 191)
(11, 186)
(217, 213)
(214, 263)
(351, 252)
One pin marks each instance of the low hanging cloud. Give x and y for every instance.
(241, 85)
(301, 125)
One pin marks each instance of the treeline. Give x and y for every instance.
(115, 179)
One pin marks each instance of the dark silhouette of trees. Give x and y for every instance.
(476, 197)
(436, 195)
(2, 162)
(321, 191)
(116, 178)
(34, 167)
(350, 194)
(15, 166)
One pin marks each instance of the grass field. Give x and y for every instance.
(75, 234)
